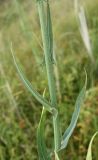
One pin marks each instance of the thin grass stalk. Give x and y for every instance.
(50, 74)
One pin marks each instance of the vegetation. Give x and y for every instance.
(20, 112)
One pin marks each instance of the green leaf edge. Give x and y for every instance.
(42, 151)
(29, 86)
(49, 31)
(89, 152)
(75, 116)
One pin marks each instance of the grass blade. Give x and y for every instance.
(56, 156)
(40, 136)
(84, 29)
(49, 31)
(84, 32)
(29, 86)
(50, 74)
(89, 152)
(43, 154)
(75, 116)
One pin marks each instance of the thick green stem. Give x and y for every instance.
(50, 73)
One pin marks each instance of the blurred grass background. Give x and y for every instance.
(19, 111)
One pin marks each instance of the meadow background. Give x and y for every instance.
(19, 111)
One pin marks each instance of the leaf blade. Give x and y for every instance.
(28, 85)
(84, 31)
(43, 154)
(89, 152)
(49, 31)
(79, 102)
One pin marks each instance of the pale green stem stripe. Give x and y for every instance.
(50, 73)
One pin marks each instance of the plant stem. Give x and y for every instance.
(50, 73)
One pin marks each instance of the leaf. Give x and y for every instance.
(70, 129)
(43, 154)
(84, 32)
(56, 156)
(80, 13)
(49, 31)
(29, 86)
(89, 152)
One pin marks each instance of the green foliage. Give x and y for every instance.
(75, 116)
(21, 143)
(49, 32)
(31, 89)
(47, 38)
(43, 155)
(89, 152)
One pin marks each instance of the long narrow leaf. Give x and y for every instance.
(80, 13)
(56, 156)
(75, 116)
(89, 152)
(49, 31)
(84, 32)
(29, 86)
(43, 154)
